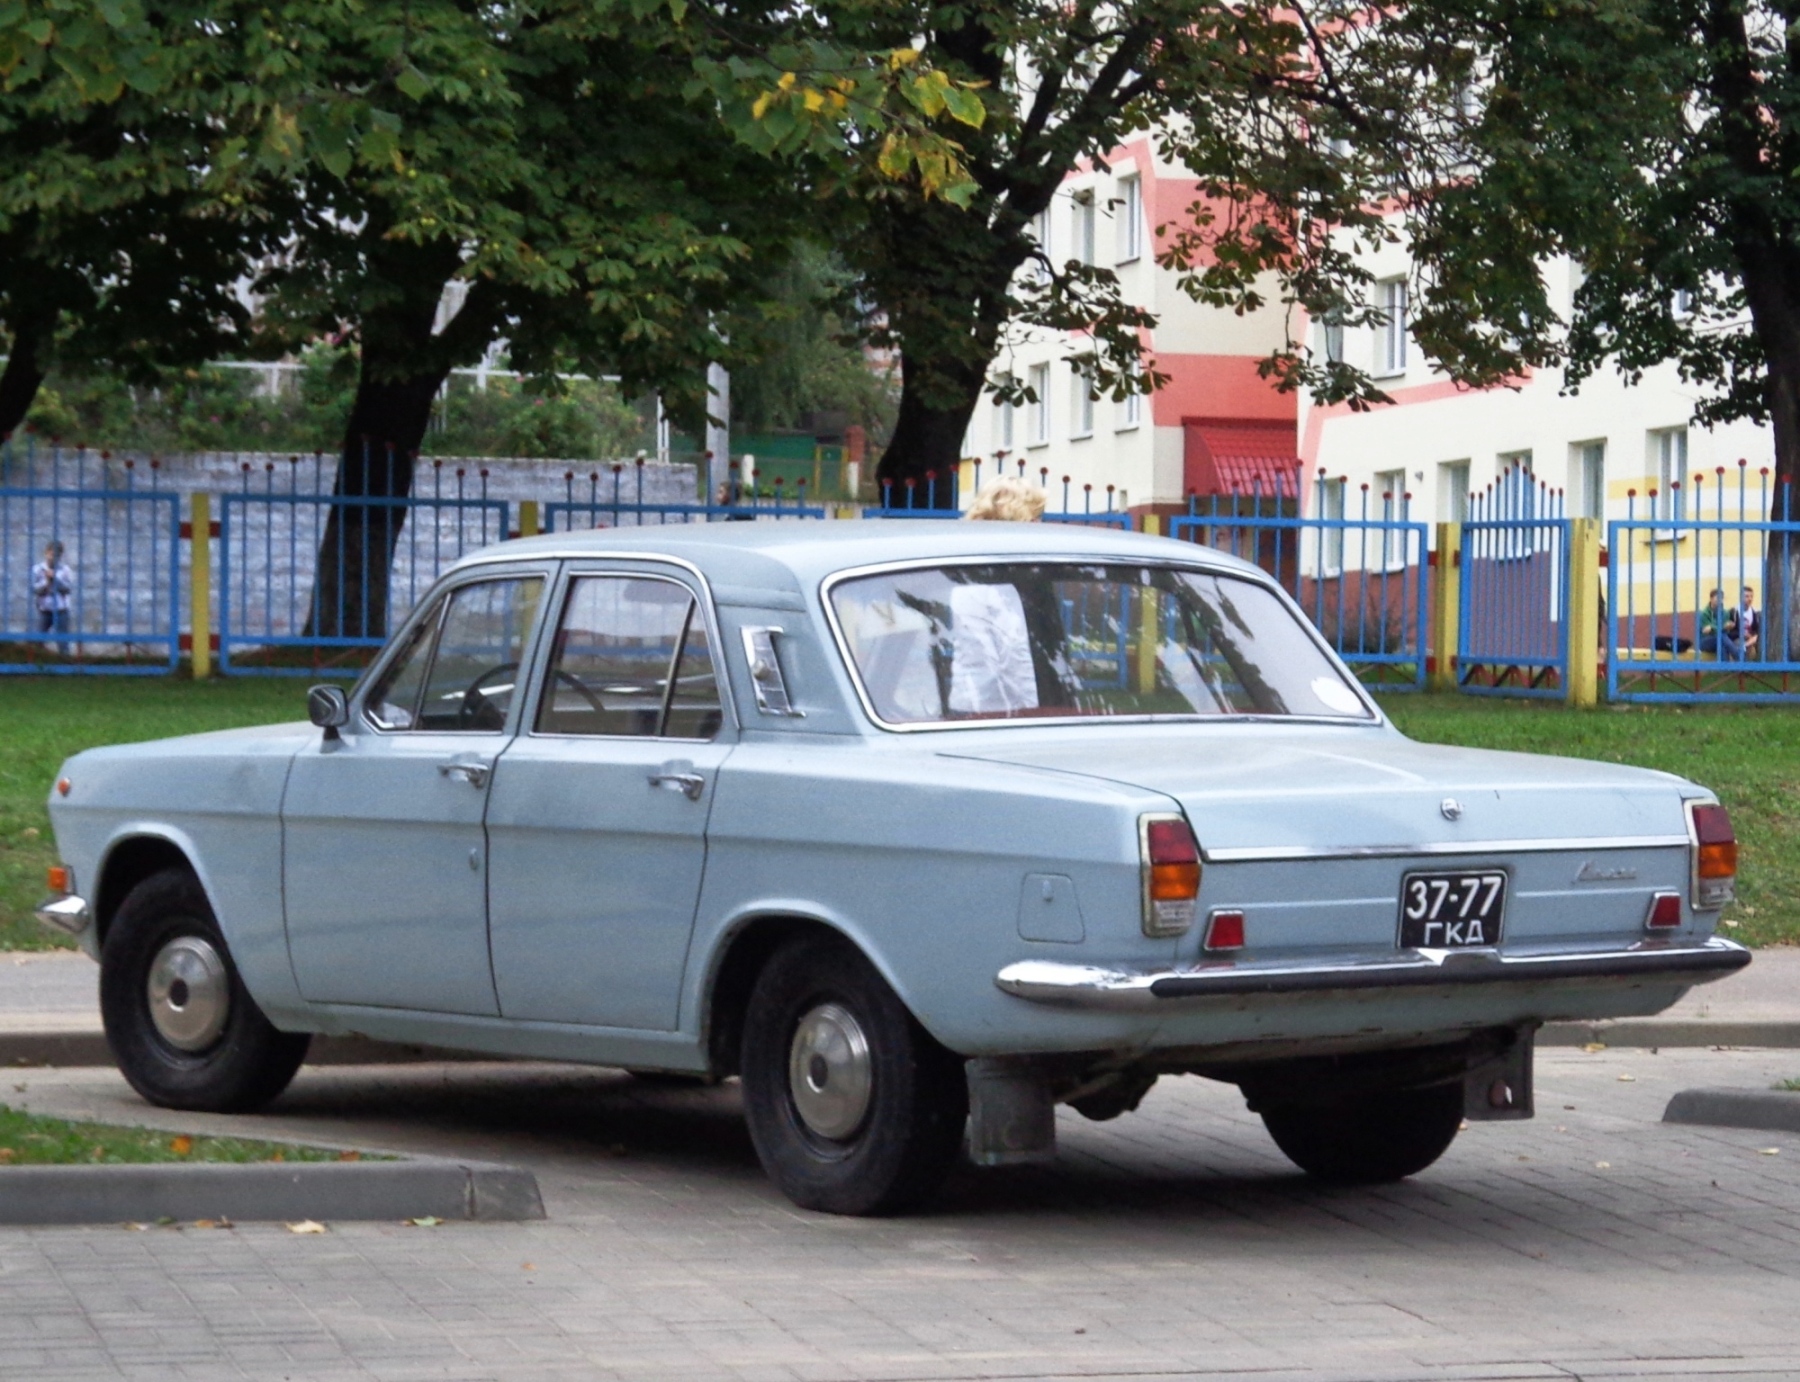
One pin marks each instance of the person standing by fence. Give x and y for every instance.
(52, 583)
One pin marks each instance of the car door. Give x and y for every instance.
(597, 822)
(385, 856)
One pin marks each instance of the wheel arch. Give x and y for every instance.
(738, 959)
(128, 861)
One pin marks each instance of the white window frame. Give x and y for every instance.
(1004, 421)
(1453, 491)
(1081, 398)
(1331, 341)
(1041, 233)
(1082, 225)
(1390, 340)
(1131, 412)
(1390, 489)
(1130, 202)
(1331, 541)
(1669, 450)
(1587, 478)
(1039, 379)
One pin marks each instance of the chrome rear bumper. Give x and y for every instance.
(1089, 986)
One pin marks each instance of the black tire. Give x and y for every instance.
(1373, 1140)
(242, 1066)
(917, 1102)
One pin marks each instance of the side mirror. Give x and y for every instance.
(329, 708)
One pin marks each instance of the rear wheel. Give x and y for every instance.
(1372, 1139)
(183, 1028)
(852, 1106)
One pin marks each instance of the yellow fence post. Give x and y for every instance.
(200, 584)
(1584, 612)
(528, 518)
(1446, 611)
(1153, 524)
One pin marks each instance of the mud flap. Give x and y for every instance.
(1501, 1088)
(1012, 1114)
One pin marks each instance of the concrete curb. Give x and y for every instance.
(1650, 1031)
(1772, 1110)
(268, 1190)
(70, 1049)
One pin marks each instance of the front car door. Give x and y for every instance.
(597, 822)
(385, 857)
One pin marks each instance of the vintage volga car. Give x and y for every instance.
(919, 828)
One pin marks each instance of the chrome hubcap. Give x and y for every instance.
(830, 1075)
(190, 993)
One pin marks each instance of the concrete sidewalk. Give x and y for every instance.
(50, 1015)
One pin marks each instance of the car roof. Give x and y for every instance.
(797, 554)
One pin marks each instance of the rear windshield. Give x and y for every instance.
(1036, 640)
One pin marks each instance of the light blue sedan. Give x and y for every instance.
(919, 829)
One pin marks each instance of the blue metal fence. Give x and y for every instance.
(279, 614)
(1360, 579)
(1513, 629)
(911, 500)
(1667, 558)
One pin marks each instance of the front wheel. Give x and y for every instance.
(181, 1024)
(852, 1106)
(1371, 1140)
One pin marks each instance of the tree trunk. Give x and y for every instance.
(20, 381)
(356, 557)
(1781, 560)
(918, 468)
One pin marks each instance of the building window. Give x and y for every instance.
(1331, 536)
(1003, 418)
(1081, 400)
(1670, 448)
(1039, 378)
(1682, 304)
(1040, 232)
(1453, 492)
(1587, 482)
(1083, 226)
(1391, 339)
(1332, 333)
(1131, 411)
(1390, 496)
(1130, 205)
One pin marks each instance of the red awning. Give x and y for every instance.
(1241, 456)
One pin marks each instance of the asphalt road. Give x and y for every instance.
(1595, 1242)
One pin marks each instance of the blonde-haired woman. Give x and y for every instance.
(1008, 500)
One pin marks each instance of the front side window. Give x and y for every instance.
(631, 658)
(1032, 640)
(460, 665)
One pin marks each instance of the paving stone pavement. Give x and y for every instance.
(1594, 1243)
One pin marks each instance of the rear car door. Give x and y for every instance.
(597, 822)
(385, 857)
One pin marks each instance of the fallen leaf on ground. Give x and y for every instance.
(528, 1266)
(220, 1222)
(1768, 1151)
(1628, 1079)
(1592, 1046)
(7, 1154)
(1603, 1165)
(306, 1226)
(349, 1156)
(424, 1221)
(182, 1145)
(279, 1156)
(135, 1228)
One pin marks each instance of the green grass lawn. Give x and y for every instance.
(29, 1140)
(1749, 755)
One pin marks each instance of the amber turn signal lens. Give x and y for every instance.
(1171, 875)
(1718, 842)
(57, 875)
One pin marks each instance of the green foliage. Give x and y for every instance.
(29, 1139)
(578, 419)
(806, 352)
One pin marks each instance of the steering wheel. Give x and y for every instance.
(477, 711)
(581, 688)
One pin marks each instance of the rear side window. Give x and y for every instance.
(631, 658)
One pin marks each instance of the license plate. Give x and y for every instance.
(1443, 911)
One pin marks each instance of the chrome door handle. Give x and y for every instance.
(690, 785)
(475, 774)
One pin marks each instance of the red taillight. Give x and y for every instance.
(1665, 911)
(1715, 857)
(1171, 875)
(1224, 931)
